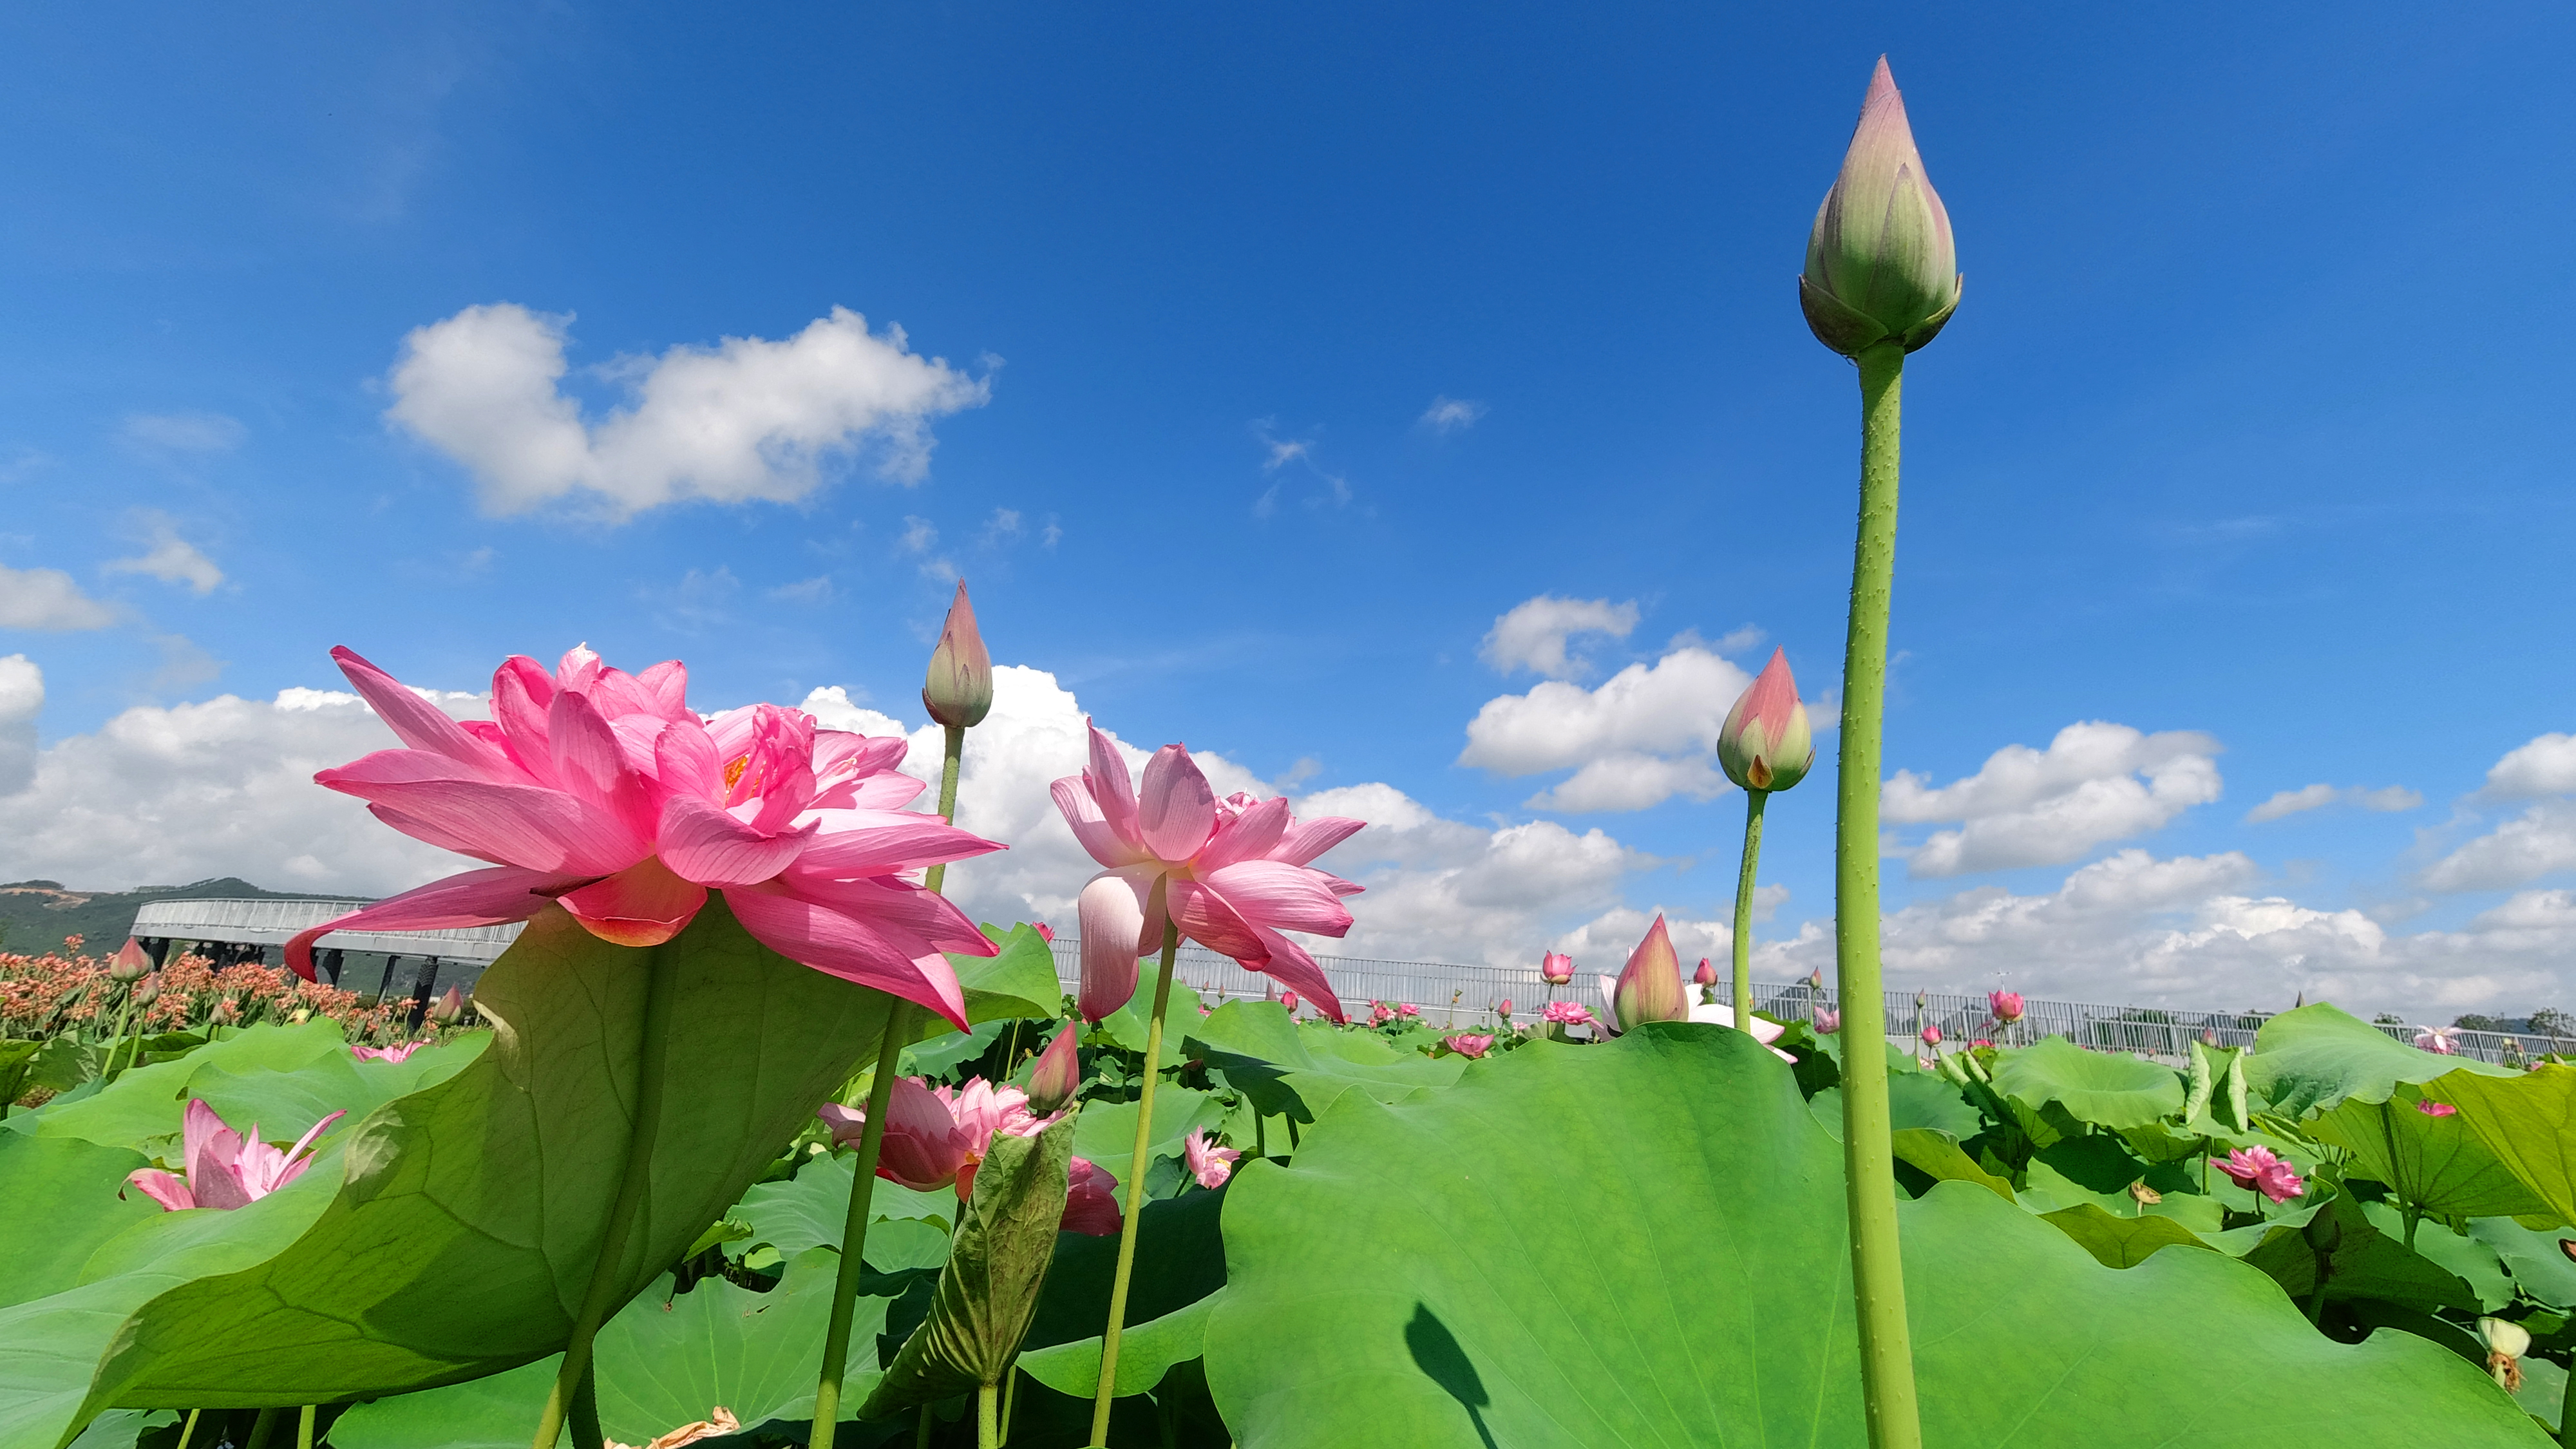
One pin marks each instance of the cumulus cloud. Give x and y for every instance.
(48, 599)
(168, 557)
(22, 700)
(2095, 783)
(2540, 841)
(1533, 635)
(1646, 734)
(748, 419)
(184, 432)
(2317, 797)
(1451, 414)
(2546, 766)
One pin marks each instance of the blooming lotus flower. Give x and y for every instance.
(1091, 1202)
(1567, 1013)
(1469, 1044)
(1207, 1162)
(2006, 1005)
(1881, 264)
(1556, 968)
(1380, 1013)
(386, 1054)
(1828, 1020)
(226, 1169)
(1649, 987)
(1766, 743)
(130, 963)
(2262, 1170)
(2431, 1108)
(1232, 874)
(2442, 1040)
(1765, 1032)
(604, 793)
(1408, 1009)
(1058, 1074)
(959, 691)
(1931, 1036)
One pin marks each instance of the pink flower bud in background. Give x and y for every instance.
(1556, 968)
(1649, 987)
(129, 964)
(1881, 263)
(1828, 1020)
(1091, 1202)
(1983, 1043)
(387, 1054)
(1470, 1045)
(1504, 1009)
(2006, 1005)
(449, 1009)
(1045, 932)
(2440, 1040)
(1931, 1036)
(1816, 979)
(1207, 1162)
(959, 691)
(2432, 1108)
(1767, 743)
(1380, 1013)
(1288, 999)
(1058, 1073)
(1706, 975)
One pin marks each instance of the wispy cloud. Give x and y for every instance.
(168, 557)
(1448, 414)
(2317, 797)
(813, 592)
(48, 599)
(192, 432)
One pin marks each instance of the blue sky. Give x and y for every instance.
(2244, 440)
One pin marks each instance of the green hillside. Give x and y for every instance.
(37, 914)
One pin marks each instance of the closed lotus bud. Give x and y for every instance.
(449, 1008)
(1881, 264)
(959, 692)
(1058, 1074)
(1706, 975)
(225, 1012)
(1816, 979)
(1288, 999)
(1766, 743)
(1650, 985)
(2006, 1004)
(147, 993)
(1931, 1036)
(129, 964)
(1556, 968)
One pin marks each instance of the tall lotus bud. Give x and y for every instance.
(1706, 975)
(1881, 265)
(1556, 968)
(959, 692)
(1650, 985)
(449, 1008)
(1058, 1074)
(129, 964)
(1766, 744)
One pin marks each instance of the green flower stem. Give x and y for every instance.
(264, 1427)
(1869, 1166)
(124, 1016)
(190, 1432)
(2566, 1411)
(988, 1417)
(601, 1298)
(1107, 1393)
(863, 1179)
(1754, 800)
(304, 1427)
(585, 1410)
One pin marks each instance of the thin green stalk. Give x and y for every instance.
(124, 1016)
(264, 1427)
(1754, 800)
(1869, 1166)
(585, 1410)
(190, 1432)
(988, 1416)
(304, 1427)
(2566, 1411)
(1107, 1393)
(921, 1435)
(2413, 1216)
(1010, 1395)
(863, 1179)
(601, 1297)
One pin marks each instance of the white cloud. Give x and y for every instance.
(48, 599)
(746, 420)
(2541, 841)
(1002, 528)
(2096, 782)
(1449, 414)
(22, 700)
(184, 432)
(2317, 797)
(811, 592)
(1533, 634)
(1646, 734)
(168, 557)
(2546, 766)
(919, 534)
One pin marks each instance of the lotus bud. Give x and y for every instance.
(959, 692)
(2506, 1341)
(147, 993)
(225, 1012)
(1828, 1021)
(1288, 999)
(449, 1008)
(1058, 1074)
(1706, 975)
(1816, 979)
(1650, 985)
(1881, 263)
(1556, 968)
(129, 964)
(1932, 1036)
(1766, 743)
(1505, 1009)
(2006, 1004)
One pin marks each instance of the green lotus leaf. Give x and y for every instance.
(2539, 1266)
(63, 1201)
(2438, 1164)
(1915, 1101)
(1146, 1352)
(147, 1102)
(907, 1229)
(1180, 1259)
(2313, 1058)
(1017, 984)
(2107, 1089)
(1106, 1132)
(2338, 1244)
(1299, 1072)
(1937, 1155)
(2475, 1263)
(2528, 1120)
(1129, 1025)
(1402, 1283)
(2117, 1241)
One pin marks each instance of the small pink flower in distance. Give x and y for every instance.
(1556, 968)
(2262, 1170)
(1706, 975)
(386, 1054)
(1408, 1009)
(226, 1169)
(1468, 1044)
(1207, 1162)
(2006, 1005)
(1931, 1036)
(1567, 1013)
(937, 1136)
(1045, 932)
(2440, 1040)
(1504, 1010)
(1828, 1020)
(1380, 1013)
(2431, 1108)
(1983, 1043)
(1091, 1202)
(1288, 999)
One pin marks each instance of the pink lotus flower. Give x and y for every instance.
(1706, 975)
(1380, 1013)
(604, 793)
(1469, 1044)
(1828, 1020)
(386, 1054)
(1567, 1013)
(2006, 1005)
(1649, 987)
(1408, 1009)
(2262, 1170)
(1931, 1036)
(130, 963)
(2431, 1108)
(2441, 1040)
(1045, 932)
(1288, 999)
(226, 1169)
(1057, 1077)
(1767, 742)
(1207, 1162)
(1232, 874)
(1091, 1202)
(1983, 1043)
(1556, 968)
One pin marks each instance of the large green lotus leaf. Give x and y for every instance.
(2107, 1089)
(148, 1101)
(907, 1229)
(1298, 1073)
(663, 1362)
(2048, 1189)
(2528, 1120)
(2437, 1163)
(2313, 1058)
(1019, 983)
(2472, 1261)
(2338, 1239)
(61, 1197)
(1129, 1025)
(2117, 1241)
(2540, 1267)
(1105, 1134)
(1400, 1284)
(1937, 1155)
(1180, 1259)
(1915, 1100)
(464, 1231)
(1146, 1352)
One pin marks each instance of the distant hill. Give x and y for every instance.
(37, 914)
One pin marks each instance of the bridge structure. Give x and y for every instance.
(232, 931)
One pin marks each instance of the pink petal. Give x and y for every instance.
(162, 1188)
(591, 763)
(1075, 802)
(642, 905)
(1091, 1202)
(854, 843)
(685, 761)
(706, 845)
(292, 1165)
(1250, 836)
(578, 669)
(1281, 896)
(1207, 918)
(1176, 811)
(417, 722)
(476, 898)
(1107, 777)
(838, 945)
(883, 791)
(521, 690)
(438, 835)
(1290, 966)
(904, 913)
(1314, 837)
(1112, 909)
(524, 825)
(668, 683)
